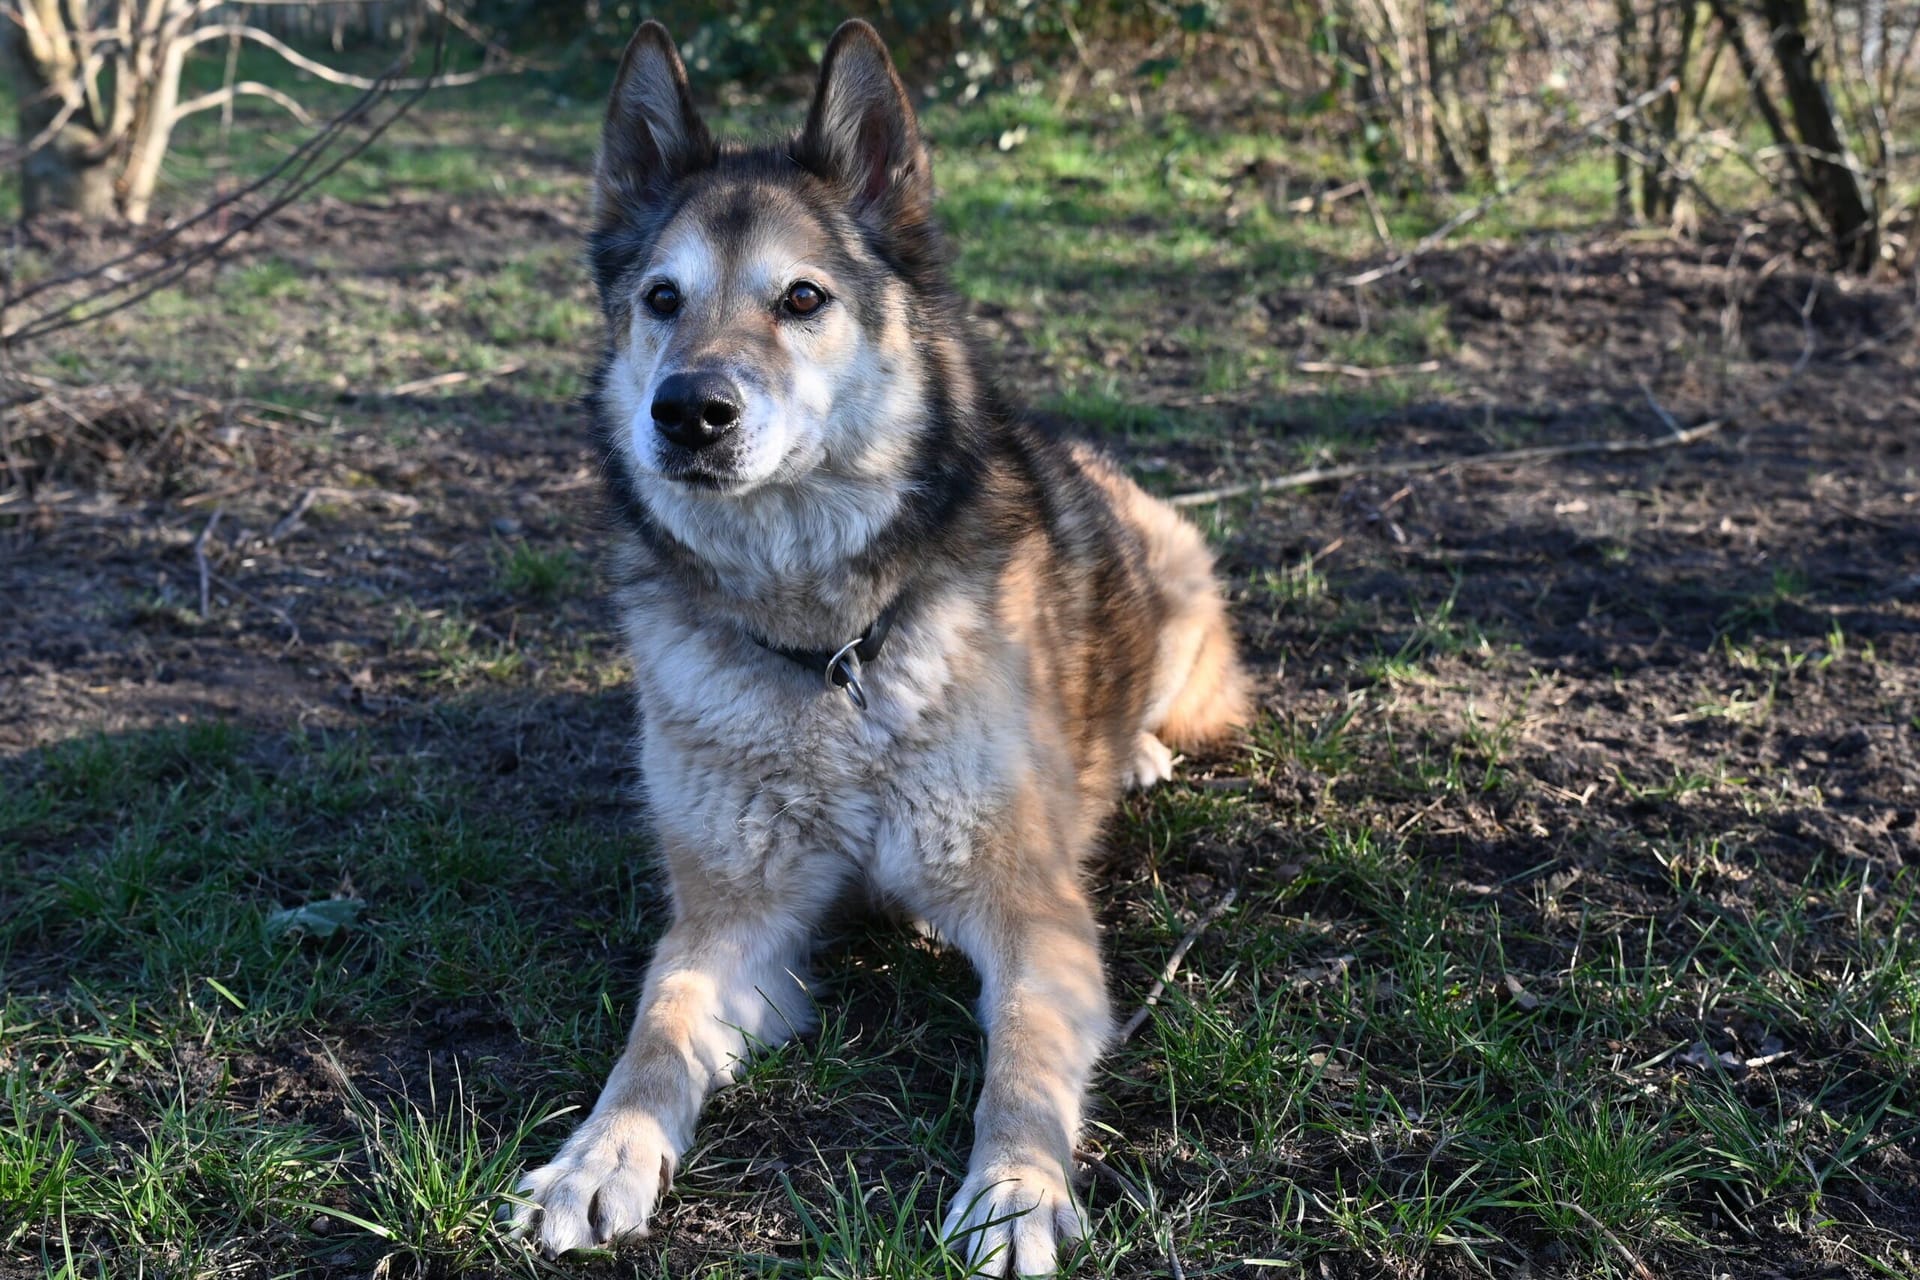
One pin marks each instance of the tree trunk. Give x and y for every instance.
(1662, 179)
(1842, 200)
(1623, 93)
(73, 169)
(153, 122)
(68, 173)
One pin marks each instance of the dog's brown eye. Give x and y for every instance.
(663, 299)
(804, 298)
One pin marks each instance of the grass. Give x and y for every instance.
(538, 573)
(1343, 1071)
(1428, 1039)
(1360, 1060)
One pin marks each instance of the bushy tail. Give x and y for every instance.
(1200, 691)
(1210, 697)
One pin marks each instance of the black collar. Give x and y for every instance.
(841, 667)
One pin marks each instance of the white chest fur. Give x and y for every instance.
(753, 764)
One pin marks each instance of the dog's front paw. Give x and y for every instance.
(1011, 1217)
(603, 1185)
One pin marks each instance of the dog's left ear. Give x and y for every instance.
(861, 133)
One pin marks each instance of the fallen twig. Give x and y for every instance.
(402, 504)
(455, 377)
(1159, 988)
(1320, 200)
(1380, 227)
(1659, 410)
(286, 410)
(1627, 1255)
(200, 562)
(286, 619)
(290, 521)
(1363, 371)
(1502, 457)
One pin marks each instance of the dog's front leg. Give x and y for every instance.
(726, 977)
(1044, 1002)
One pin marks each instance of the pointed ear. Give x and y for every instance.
(861, 134)
(653, 133)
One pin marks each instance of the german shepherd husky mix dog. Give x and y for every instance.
(885, 636)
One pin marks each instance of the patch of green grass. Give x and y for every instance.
(1456, 1120)
(1114, 415)
(1436, 633)
(436, 1177)
(1299, 584)
(458, 650)
(538, 573)
(1322, 745)
(1343, 1067)
(1760, 609)
(1677, 783)
(144, 996)
(1401, 336)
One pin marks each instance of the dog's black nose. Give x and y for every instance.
(695, 409)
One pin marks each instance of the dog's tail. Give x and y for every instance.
(1200, 691)
(1200, 675)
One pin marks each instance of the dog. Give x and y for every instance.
(885, 636)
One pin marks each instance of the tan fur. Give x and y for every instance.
(1200, 692)
(1057, 632)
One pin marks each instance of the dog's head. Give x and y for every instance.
(759, 301)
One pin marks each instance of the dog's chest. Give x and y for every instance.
(760, 767)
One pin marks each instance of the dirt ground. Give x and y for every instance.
(1713, 649)
(1615, 582)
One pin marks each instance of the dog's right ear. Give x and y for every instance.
(653, 134)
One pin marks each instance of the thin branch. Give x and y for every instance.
(1659, 410)
(221, 97)
(68, 109)
(1159, 988)
(1364, 372)
(1503, 457)
(98, 49)
(455, 377)
(1640, 1269)
(1644, 444)
(285, 618)
(200, 561)
(320, 70)
(291, 521)
(301, 155)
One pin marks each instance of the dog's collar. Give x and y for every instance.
(841, 667)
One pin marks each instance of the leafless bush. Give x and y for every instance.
(100, 90)
(1438, 94)
(49, 427)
